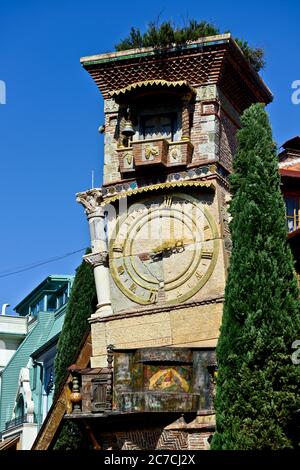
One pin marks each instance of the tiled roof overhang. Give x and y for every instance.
(214, 60)
(290, 173)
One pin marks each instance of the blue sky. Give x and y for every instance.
(49, 142)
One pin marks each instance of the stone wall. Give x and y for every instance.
(228, 145)
(188, 326)
(111, 160)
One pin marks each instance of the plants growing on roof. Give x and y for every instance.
(166, 34)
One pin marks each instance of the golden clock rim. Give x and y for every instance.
(204, 278)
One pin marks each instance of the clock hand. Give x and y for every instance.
(165, 248)
(168, 247)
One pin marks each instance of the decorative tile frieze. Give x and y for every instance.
(193, 173)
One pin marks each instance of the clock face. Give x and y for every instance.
(164, 249)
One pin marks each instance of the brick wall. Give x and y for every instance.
(213, 134)
(204, 135)
(156, 439)
(199, 440)
(228, 142)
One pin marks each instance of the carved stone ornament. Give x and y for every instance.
(24, 390)
(175, 155)
(110, 106)
(91, 200)
(97, 259)
(151, 151)
(128, 160)
(207, 92)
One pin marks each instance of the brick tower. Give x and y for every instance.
(160, 240)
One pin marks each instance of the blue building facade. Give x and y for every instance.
(28, 378)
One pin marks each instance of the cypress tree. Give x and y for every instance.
(82, 304)
(258, 385)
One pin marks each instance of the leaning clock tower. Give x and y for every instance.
(160, 239)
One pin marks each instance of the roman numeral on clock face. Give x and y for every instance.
(206, 254)
(207, 233)
(118, 248)
(133, 287)
(168, 201)
(153, 297)
(121, 269)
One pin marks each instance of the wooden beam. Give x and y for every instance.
(62, 404)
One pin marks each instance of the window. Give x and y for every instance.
(159, 126)
(292, 203)
(34, 376)
(51, 302)
(37, 306)
(62, 297)
(20, 407)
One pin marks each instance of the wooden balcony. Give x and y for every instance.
(144, 153)
(150, 152)
(151, 380)
(180, 153)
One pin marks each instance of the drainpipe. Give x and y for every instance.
(4, 306)
(40, 391)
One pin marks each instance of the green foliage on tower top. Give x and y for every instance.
(258, 386)
(165, 34)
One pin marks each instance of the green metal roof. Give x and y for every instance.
(45, 329)
(54, 331)
(51, 284)
(10, 374)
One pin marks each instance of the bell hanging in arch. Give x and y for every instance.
(128, 130)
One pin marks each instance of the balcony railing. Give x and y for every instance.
(13, 423)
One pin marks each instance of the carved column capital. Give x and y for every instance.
(97, 259)
(91, 201)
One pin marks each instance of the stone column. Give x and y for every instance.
(91, 201)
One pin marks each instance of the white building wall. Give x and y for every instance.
(12, 332)
(5, 356)
(28, 436)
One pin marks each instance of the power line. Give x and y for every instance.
(40, 263)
